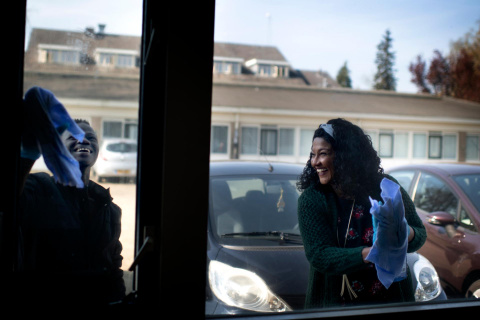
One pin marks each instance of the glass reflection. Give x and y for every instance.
(91, 64)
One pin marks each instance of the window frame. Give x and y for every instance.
(161, 279)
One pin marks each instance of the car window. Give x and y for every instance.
(433, 195)
(465, 220)
(253, 204)
(470, 184)
(122, 147)
(404, 178)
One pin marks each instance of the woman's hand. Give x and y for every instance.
(365, 253)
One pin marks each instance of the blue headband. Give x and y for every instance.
(328, 128)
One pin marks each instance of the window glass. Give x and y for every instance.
(473, 144)
(306, 142)
(268, 141)
(249, 140)
(449, 147)
(435, 147)
(386, 145)
(470, 185)
(401, 145)
(286, 141)
(434, 195)
(419, 145)
(404, 178)
(219, 139)
(62, 55)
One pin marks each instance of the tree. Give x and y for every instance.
(385, 60)
(418, 70)
(343, 77)
(439, 75)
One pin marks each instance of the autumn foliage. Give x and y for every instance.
(456, 75)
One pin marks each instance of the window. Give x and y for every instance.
(306, 142)
(401, 145)
(273, 141)
(219, 137)
(434, 195)
(268, 141)
(419, 145)
(120, 129)
(404, 178)
(449, 147)
(434, 146)
(172, 283)
(286, 141)
(249, 140)
(385, 145)
(472, 147)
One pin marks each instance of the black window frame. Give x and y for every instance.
(171, 276)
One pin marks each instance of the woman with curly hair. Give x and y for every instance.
(340, 183)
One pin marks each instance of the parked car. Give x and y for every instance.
(117, 158)
(447, 198)
(256, 258)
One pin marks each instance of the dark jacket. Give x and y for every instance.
(317, 213)
(69, 241)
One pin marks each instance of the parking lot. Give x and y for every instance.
(124, 195)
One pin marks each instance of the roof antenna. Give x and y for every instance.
(270, 167)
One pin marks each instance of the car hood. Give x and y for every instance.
(284, 269)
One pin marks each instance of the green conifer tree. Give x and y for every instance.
(343, 77)
(384, 78)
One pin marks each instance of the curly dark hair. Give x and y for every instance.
(356, 163)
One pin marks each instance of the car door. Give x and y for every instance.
(444, 242)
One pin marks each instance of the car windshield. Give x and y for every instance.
(254, 207)
(122, 147)
(470, 184)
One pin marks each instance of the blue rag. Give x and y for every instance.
(390, 240)
(48, 120)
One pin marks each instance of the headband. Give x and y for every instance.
(328, 128)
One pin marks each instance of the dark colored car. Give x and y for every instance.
(256, 259)
(447, 198)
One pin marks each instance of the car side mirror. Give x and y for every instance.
(440, 218)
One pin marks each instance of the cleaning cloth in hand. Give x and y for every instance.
(47, 120)
(390, 242)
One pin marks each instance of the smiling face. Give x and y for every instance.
(322, 160)
(86, 151)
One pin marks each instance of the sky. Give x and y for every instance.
(311, 34)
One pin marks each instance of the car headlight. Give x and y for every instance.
(243, 289)
(428, 285)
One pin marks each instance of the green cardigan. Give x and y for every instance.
(317, 214)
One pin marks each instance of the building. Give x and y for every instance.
(262, 107)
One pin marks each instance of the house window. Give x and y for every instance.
(59, 56)
(386, 145)
(434, 146)
(272, 141)
(449, 146)
(219, 137)
(120, 129)
(419, 145)
(268, 141)
(286, 141)
(401, 145)
(249, 144)
(306, 136)
(226, 67)
(472, 147)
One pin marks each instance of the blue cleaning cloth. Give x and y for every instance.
(48, 120)
(390, 240)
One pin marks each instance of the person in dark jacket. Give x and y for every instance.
(341, 175)
(69, 247)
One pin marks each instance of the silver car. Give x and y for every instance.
(117, 158)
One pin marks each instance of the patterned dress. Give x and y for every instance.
(365, 283)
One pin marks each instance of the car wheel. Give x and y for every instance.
(473, 290)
